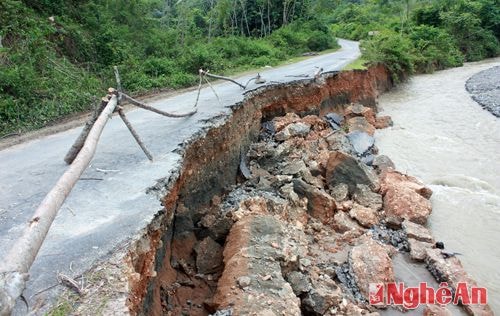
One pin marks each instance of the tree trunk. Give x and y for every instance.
(15, 266)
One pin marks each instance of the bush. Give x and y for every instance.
(393, 50)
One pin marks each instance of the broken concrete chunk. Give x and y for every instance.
(342, 168)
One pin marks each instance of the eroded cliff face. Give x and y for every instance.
(210, 167)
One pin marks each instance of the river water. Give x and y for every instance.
(443, 137)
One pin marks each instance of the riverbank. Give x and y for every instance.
(443, 137)
(485, 89)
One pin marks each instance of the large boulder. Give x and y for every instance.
(366, 197)
(358, 110)
(367, 217)
(361, 142)
(360, 123)
(405, 198)
(342, 168)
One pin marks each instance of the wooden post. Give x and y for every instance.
(134, 134)
(15, 266)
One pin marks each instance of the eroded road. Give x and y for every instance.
(110, 205)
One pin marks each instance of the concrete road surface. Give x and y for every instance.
(100, 214)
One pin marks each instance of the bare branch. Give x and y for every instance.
(134, 134)
(155, 110)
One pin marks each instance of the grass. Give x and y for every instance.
(358, 64)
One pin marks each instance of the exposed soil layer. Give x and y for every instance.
(285, 208)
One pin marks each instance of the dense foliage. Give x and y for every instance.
(421, 35)
(57, 55)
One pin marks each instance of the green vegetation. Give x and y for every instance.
(56, 56)
(358, 64)
(420, 35)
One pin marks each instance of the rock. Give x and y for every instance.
(418, 232)
(450, 270)
(370, 263)
(309, 178)
(343, 223)
(320, 205)
(299, 129)
(244, 281)
(282, 121)
(357, 109)
(383, 122)
(418, 249)
(208, 256)
(340, 192)
(335, 120)
(342, 168)
(360, 124)
(361, 142)
(405, 197)
(367, 159)
(364, 196)
(283, 135)
(365, 216)
(339, 142)
(324, 295)
(299, 282)
(294, 167)
(315, 122)
(382, 163)
(436, 310)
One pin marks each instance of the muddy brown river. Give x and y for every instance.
(446, 139)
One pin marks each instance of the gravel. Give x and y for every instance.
(485, 89)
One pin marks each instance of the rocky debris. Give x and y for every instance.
(382, 163)
(396, 238)
(370, 263)
(324, 295)
(342, 168)
(405, 198)
(208, 256)
(483, 87)
(294, 167)
(418, 249)
(223, 312)
(343, 223)
(335, 120)
(340, 192)
(320, 204)
(358, 110)
(300, 283)
(281, 122)
(417, 232)
(436, 310)
(361, 142)
(367, 217)
(366, 197)
(244, 281)
(382, 122)
(293, 130)
(339, 142)
(360, 124)
(450, 270)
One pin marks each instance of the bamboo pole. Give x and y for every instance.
(14, 268)
(152, 109)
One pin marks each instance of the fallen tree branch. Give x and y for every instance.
(152, 109)
(16, 264)
(134, 134)
(208, 74)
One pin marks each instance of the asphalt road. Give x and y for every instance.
(101, 214)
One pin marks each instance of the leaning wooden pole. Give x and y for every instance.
(14, 268)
